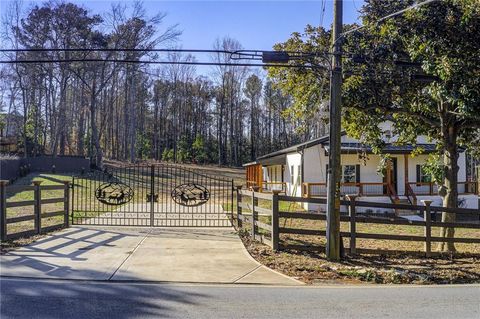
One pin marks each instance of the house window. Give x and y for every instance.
(422, 175)
(349, 174)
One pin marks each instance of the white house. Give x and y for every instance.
(301, 170)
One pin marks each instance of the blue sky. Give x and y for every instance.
(256, 24)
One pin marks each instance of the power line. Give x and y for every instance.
(269, 65)
(322, 14)
(114, 50)
(297, 53)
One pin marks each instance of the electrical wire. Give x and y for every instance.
(114, 50)
(322, 14)
(267, 65)
(253, 52)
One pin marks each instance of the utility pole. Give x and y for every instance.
(334, 167)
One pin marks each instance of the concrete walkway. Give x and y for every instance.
(194, 255)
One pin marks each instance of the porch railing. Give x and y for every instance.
(268, 187)
(392, 194)
(311, 190)
(412, 189)
(411, 196)
(251, 184)
(430, 188)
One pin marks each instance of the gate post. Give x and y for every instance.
(37, 209)
(66, 203)
(232, 189)
(3, 210)
(152, 194)
(73, 199)
(428, 227)
(353, 224)
(239, 208)
(254, 213)
(275, 223)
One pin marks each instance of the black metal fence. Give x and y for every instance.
(152, 195)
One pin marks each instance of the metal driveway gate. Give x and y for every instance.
(151, 195)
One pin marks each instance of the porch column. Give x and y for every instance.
(405, 158)
(389, 176)
(260, 176)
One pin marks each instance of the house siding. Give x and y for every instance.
(293, 160)
(315, 164)
(314, 161)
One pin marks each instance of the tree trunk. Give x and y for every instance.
(95, 135)
(81, 125)
(449, 190)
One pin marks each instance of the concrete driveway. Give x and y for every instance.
(194, 255)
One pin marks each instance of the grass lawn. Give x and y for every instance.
(377, 229)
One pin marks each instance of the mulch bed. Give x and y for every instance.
(313, 268)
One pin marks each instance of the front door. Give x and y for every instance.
(391, 175)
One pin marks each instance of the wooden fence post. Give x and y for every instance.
(66, 203)
(428, 227)
(37, 208)
(254, 214)
(275, 223)
(352, 212)
(239, 208)
(3, 209)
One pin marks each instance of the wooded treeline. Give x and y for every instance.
(132, 111)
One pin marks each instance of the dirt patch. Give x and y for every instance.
(313, 268)
(9, 245)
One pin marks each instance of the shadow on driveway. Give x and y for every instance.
(71, 299)
(135, 254)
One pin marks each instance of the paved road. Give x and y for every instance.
(22, 298)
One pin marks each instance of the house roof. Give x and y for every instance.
(388, 148)
(278, 157)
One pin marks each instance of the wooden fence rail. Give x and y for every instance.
(249, 210)
(37, 203)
